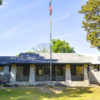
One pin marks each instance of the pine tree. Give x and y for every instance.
(91, 22)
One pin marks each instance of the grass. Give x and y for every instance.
(35, 93)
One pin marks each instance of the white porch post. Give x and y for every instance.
(68, 75)
(32, 74)
(13, 74)
(86, 79)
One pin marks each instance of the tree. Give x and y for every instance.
(59, 46)
(0, 2)
(41, 48)
(91, 22)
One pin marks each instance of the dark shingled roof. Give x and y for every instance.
(5, 59)
(33, 58)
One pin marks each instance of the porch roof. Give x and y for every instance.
(96, 61)
(69, 58)
(44, 58)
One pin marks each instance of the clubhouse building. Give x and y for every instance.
(68, 69)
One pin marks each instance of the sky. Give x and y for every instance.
(25, 24)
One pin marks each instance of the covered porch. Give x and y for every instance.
(34, 74)
(77, 75)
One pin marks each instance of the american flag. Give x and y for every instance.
(50, 8)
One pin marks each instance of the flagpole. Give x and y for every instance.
(50, 48)
(50, 9)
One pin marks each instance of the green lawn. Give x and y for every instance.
(32, 93)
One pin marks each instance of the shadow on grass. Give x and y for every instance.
(69, 92)
(31, 93)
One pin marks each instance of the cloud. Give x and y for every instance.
(11, 32)
(68, 36)
(65, 16)
(62, 18)
(33, 5)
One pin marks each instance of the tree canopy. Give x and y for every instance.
(59, 46)
(41, 48)
(91, 22)
(0, 2)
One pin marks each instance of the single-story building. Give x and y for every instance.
(68, 69)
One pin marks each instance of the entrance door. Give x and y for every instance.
(46, 73)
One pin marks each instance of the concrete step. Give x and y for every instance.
(95, 76)
(79, 83)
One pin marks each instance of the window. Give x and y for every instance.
(22, 73)
(1, 68)
(25, 71)
(79, 70)
(96, 68)
(39, 71)
(60, 70)
(73, 70)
